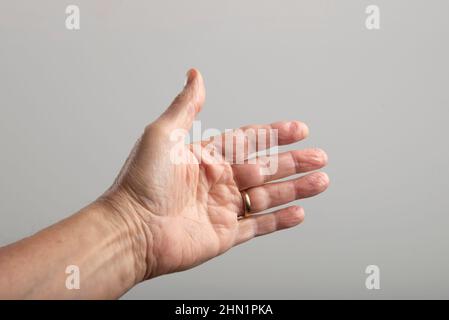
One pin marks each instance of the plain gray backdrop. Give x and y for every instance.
(72, 103)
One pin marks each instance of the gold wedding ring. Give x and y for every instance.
(246, 203)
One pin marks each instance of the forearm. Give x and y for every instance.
(105, 246)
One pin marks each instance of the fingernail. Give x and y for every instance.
(189, 77)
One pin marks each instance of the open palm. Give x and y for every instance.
(188, 199)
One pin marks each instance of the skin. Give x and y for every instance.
(160, 217)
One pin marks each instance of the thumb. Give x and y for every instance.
(182, 111)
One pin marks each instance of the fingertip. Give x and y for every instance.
(195, 84)
(324, 156)
(293, 216)
(320, 180)
(325, 178)
(292, 131)
(194, 75)
(299, 130)
(320, 157)
(298, 213)
(191, 74)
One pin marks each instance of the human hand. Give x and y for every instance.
(184, 213)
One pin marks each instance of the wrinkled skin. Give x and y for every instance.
(189, 212)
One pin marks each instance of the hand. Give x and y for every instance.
(186, 213)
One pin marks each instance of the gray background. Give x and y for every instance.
(73, 103)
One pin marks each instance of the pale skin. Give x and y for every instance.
(161, 217)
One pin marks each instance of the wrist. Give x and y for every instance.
(133, 238)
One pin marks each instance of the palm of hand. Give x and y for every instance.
(194, 217)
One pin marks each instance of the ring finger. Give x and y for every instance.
(278, 193)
